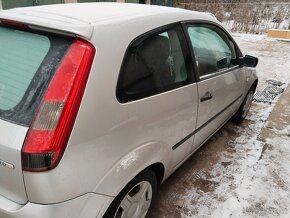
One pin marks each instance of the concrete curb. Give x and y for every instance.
(279, 118)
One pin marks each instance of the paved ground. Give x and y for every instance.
(243, 171)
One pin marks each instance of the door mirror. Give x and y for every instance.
(250, 61)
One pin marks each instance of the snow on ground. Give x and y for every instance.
(251, 177)
(274, 55)
(250, 182)
(251, 37)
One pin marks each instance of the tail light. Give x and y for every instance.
(50, 131)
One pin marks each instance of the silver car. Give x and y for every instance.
(101, 102)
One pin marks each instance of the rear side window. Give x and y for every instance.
(154, 63)
(28, 61)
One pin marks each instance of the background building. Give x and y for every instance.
(6, 4)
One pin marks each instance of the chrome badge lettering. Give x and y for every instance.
(5, 164)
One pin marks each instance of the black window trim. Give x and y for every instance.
(191, 76)
(186, 24)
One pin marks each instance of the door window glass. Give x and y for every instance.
(213, 49)
(154, 65)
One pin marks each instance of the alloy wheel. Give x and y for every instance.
(136, 202)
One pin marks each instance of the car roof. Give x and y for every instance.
(80, 18)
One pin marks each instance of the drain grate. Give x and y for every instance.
(270, 92)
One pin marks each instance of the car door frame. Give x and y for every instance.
(238, 51)
(185, 25)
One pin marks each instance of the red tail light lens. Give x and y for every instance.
(53, 123)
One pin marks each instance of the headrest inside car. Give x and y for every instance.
(155, 50)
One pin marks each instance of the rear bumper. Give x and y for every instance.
(86, 206)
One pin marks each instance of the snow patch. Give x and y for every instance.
(127, 161)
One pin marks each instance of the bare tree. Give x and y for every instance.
(244, 15)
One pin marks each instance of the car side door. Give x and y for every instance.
(220, 79)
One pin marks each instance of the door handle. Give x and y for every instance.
(207, 96)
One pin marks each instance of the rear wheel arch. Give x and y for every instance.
(159, 170)
(154, 156)
(115, 209)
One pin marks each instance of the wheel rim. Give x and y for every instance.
(248, 103)
(136, 202)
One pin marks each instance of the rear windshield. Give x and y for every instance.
(28, 61)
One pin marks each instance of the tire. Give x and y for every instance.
(243, 110)
(135, 200)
